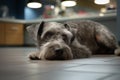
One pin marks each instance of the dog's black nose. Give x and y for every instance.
(59, 52)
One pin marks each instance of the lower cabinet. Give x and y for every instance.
(2, 34)
(11, 34)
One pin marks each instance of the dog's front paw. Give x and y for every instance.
(117, 51)
(33, 56)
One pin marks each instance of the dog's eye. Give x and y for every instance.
(49, 34)
(64, 37)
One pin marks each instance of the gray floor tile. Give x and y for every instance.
(97, 68)
(60, 75)
(113, 77)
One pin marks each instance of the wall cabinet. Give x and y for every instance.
(11, 34)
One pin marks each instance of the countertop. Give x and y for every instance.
(92, 17)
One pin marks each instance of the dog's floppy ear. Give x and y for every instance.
(67, 26)
(40, 30)
(72, 30)
(35, 29)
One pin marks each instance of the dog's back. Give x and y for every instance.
(88, 34)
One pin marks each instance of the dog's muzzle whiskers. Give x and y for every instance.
(55, 50)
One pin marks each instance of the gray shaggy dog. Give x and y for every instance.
(71, 40)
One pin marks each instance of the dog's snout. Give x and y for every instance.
(59, 52)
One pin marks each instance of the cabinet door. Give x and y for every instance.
(14, 34)
(2, 34)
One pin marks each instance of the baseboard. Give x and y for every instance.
(25, 45)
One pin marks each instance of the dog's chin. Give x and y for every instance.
(52, 56)
(55, 58)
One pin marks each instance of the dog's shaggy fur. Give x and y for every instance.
(71, 40)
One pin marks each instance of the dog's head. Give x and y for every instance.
(53, 40)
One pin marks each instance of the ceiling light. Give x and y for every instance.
(101, 14)
(101, 2)
(69, 3)
(103, 10)
(34, 4)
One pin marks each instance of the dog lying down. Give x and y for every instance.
(71, 40)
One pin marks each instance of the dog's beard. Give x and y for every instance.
(51, 55)
(55, 50)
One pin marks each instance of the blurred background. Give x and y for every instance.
(21, 9)
(15, 15)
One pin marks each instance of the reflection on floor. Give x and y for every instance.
(14, 65)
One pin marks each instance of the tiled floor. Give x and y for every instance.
(14, 65)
